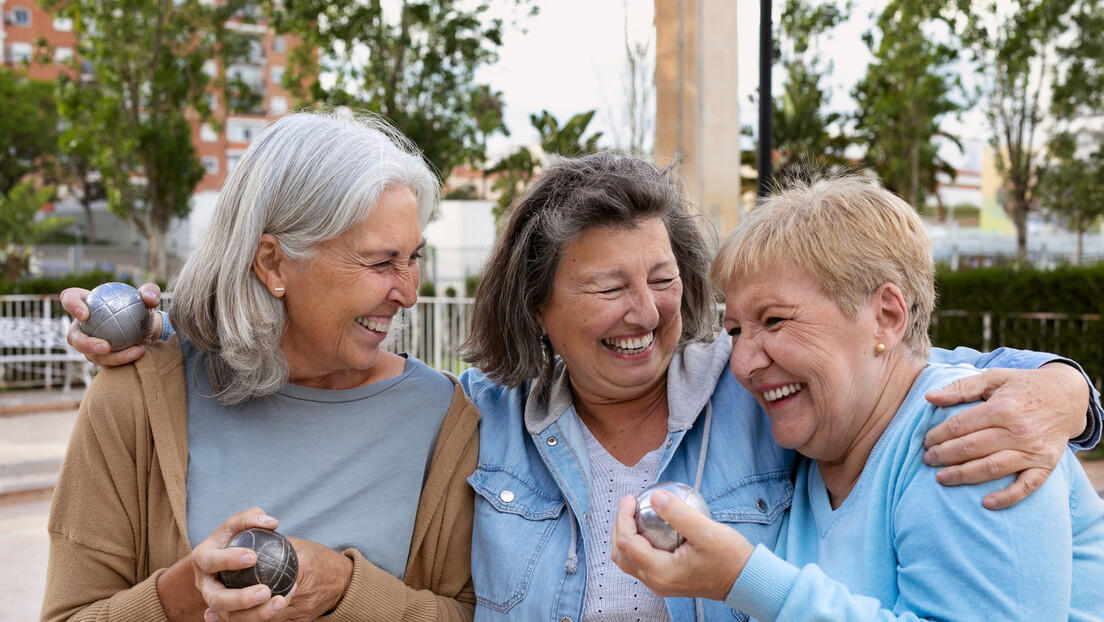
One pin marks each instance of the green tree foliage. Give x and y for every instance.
(28, 127)
(1072, 187)
(20, 227)
(517, 170)
(568, 140)
(805, 135)
(906, 95)
(413, 61)
(487, 107)
(1016, 43)
(131, 115)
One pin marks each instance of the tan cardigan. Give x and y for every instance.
(118, 515)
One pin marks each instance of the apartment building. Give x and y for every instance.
(257, 94)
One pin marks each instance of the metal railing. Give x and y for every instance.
(433, 329)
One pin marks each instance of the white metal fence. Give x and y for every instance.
(33, 352)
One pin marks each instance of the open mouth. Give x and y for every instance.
(634, 345)
(380, 326)
(777, 393)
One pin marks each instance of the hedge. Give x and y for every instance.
(1007, 294)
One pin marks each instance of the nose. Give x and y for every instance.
(643, 310)
(748, 356)
(404, 287)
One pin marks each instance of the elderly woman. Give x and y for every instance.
(276, 394)
(594, 325)
(829, 288)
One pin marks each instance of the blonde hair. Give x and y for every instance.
(308, 178)
(851, 235)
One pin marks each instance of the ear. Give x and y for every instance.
(890, 313)
(270, 265)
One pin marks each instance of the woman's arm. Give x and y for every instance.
(1033, 404)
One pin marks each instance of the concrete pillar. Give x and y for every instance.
(697, 105)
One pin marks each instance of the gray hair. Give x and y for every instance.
(851, 235)
(308, 178)
(572, 196)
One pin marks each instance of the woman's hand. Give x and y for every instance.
(1023, 426)
(99, 351)
(324, 575)
(248, 604)
(706, 565)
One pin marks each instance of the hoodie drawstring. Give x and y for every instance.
(699, 606)
(572, 563)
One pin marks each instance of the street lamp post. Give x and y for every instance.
(766, 50)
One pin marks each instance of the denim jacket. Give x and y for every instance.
(528, 547)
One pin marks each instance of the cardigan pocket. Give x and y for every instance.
(513, 524)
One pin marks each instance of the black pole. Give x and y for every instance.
(766, 50)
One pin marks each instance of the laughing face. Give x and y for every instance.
(808, 364)
(340, 304)
(613, 314)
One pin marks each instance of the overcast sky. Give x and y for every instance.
(572, 59)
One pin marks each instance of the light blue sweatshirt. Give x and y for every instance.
(903, 547)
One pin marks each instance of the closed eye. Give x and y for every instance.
(773, 322)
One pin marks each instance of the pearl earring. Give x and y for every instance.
(880, 348)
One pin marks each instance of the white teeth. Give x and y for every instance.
(374, 325)
(778, 393)
(630, 346)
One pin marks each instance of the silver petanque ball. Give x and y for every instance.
(117, 314)
(656, 530)
(277, 564)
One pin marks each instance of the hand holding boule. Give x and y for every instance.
(655, 530)
(277, 564)
(117, 314)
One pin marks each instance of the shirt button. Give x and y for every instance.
(565, 619)
(762, 505)
(506, 495)
(551, 441)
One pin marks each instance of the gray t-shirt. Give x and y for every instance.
(341, 468)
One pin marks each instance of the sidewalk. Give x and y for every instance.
(34, 430)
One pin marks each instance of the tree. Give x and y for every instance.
(20, 227)
(132, 114)
(1071, 187)
(804, 135)
(517, 169)
(568, 140)
(28, 127)
(1016, 45)
(487, 106)
(412, 61)
(905, 96)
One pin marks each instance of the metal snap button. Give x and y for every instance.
(762, 505)
(668, 442)
(551, 441)
(506, 495)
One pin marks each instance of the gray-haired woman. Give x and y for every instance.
(277, 395)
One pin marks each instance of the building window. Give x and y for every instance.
(277, 76)
(210, 164)
(20, 52)
(20, 16)
(239, 131)
(63, 24)
(207, 133)
(279, 44)
(232, 161)
(63, 55)
(212, 101)
(278, 105)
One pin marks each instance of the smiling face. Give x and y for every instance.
(613, 314)
(340, 304)
(810, 366)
